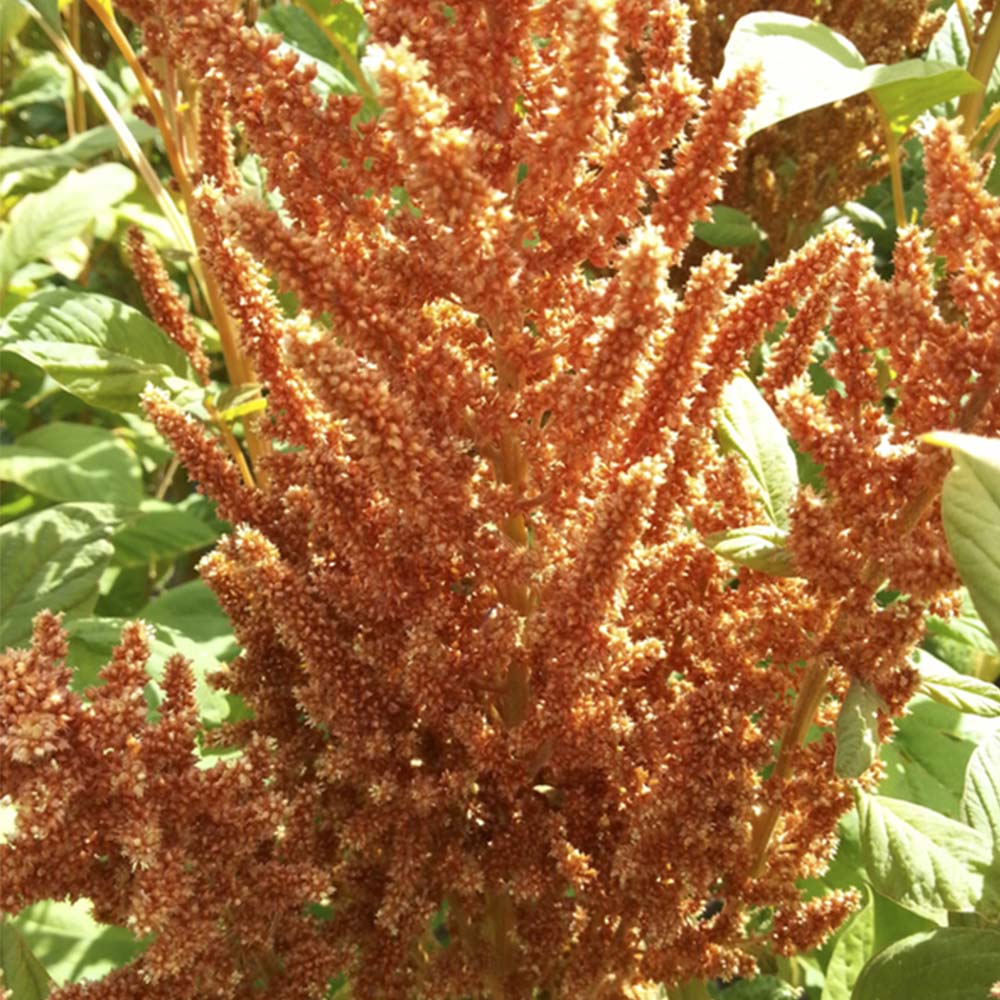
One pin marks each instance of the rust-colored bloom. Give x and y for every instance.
(498, 683)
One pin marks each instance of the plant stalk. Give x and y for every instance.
(981, 63)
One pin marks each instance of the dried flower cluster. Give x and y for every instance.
(510, 714)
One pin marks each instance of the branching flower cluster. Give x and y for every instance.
(510, 714)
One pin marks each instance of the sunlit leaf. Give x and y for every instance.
(74, 151)
(760, 547)
(855, 945)
(950, 963)
(96, 348)
(925, 861)
(970, 504)
(71, 945)
(981, 796)
(729, 228)
(807, 65)
(52, 559)
(23, 974)
(967, 694)
(748, 426)
(857, 731)
(64, 461)
(926, 759)
(160, 531)
(40, 222)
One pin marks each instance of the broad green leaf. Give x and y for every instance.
(950, 963)
(964, 643)
(761, 547)
(950, 46)
(64, 461)
(748, 426)
(925, 861)
(100, 350)
(926, 760)
(729, 228)
(855, 944)
(160, 531)
(857, 731)
(947, 686)
(806, 65)
(91, 641)
(71, 153)
(52, 559)
(970, 504)
(44, 80)
(905, 90)
(13, 17)
(45, 10)
(981, 796)
(71, 945)
(23, 974)
(41, 222)
(345, 20)
(192, 611)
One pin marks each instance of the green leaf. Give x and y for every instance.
(52, 559)
(951, 46)
(71, 945)
(944, 685)
(857, 731)
(64, 461)
(950, 963)
(925, 861)
(306, 38)
(729, 228)
(192, 611)
(41, 222)
(758, 988)
(906, 90)
(862, 215)
(970, 505)
(748, 426)
(91, 641)
(100, 350)
(160, 531)
(47, 11)
(806, 65)
(13, 17)
(761, 547)
(964, 642)
(855, 944)
(71, 153)
(981, 796)
(23, 974)
(927, 757)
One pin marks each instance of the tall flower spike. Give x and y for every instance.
(165, 305)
